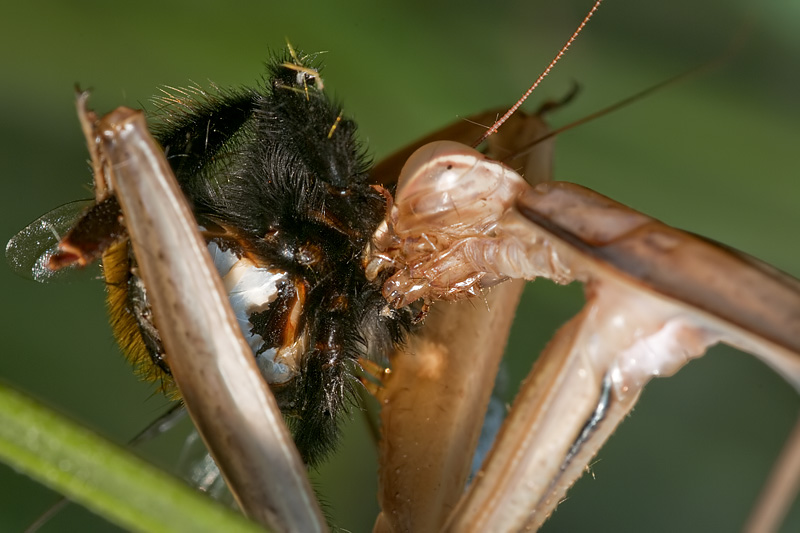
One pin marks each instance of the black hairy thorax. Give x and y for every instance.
(281, 190)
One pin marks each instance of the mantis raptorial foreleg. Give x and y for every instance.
(212, 364)
(656, 297)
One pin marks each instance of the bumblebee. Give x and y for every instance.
(281, 191)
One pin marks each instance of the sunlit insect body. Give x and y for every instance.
(665, 386)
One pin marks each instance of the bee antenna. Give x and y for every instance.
(496, 126)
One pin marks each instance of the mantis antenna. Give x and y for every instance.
(496, 126)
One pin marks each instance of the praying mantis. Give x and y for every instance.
(759, 171)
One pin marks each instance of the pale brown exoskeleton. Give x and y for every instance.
(494, 293)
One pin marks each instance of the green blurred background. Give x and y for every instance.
(716, 155)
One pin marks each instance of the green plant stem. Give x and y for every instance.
(102, 476)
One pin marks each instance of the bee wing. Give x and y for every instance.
(198, 468)
(28, 252)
